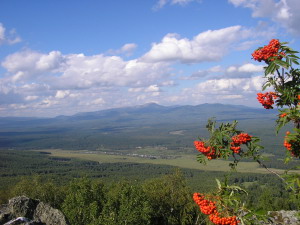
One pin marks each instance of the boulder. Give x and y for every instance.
(48, 215)
(284, 217)
(22, 206)
(23, 210)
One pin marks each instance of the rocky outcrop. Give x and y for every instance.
(26, 211)
(284, 217)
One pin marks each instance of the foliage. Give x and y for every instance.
(170, 199)
(39, 188)
(126, 204)
(227, 141)
(84, 202)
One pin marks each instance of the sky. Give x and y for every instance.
(64, 57)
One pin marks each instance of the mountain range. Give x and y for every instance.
(149, 124)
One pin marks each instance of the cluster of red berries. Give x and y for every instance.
(209, 152)
(206, 206)
(270, 50)
(266, 99)
(238, 140)
(235, 145)
(283, 115)
(209, 208)
(293, 146)
(286, 144)
(223, 220)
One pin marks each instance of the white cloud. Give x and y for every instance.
(226, 90)
(210, 45)
(31, 98)
(48, 83)
(38, 83)
(62, 94)
(98, 101)
(161, 3)
(152, 88)
(244, 70)
(250, 68)
(217, 72)
(27, 64)
(218, 86)
(87, 71)
(135, 89)
(230, 85)
(10, 38)
(80, 71)
(230, 97)
(283, 12)
(126, 49)
(240, 2)
(2, 33)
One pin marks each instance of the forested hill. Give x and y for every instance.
(149, 124)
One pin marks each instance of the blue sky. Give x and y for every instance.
(63, 57)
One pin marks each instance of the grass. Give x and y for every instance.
(187, 161)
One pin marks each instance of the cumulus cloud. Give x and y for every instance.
(37, 83)
(283, 12)
(84, 72)
(226, 90)
(31, 97)
(210, 45)
(62, 93)
(27, 64)
(152, 88)
(8, 38)
(142, 93)
(97, 101)
(222, 86)
(245, 70)
(126, 49)
(236, 71)
(48, 81)
(80, 71)
(161, 3)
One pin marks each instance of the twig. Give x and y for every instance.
(281, 76)
(271, 171)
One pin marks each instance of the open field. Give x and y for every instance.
(182, 161)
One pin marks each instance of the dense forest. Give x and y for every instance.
(124, 193)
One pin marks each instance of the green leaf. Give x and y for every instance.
(292, 51)
(294, 56)
(295, 61)
(271, 68)
(281, 63)
(219, 184)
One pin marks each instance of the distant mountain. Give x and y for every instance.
(151, 113)
(149, 124)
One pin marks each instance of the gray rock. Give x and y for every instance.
(48, 215)
(26, 211)
(283, 218)
(22, 206)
